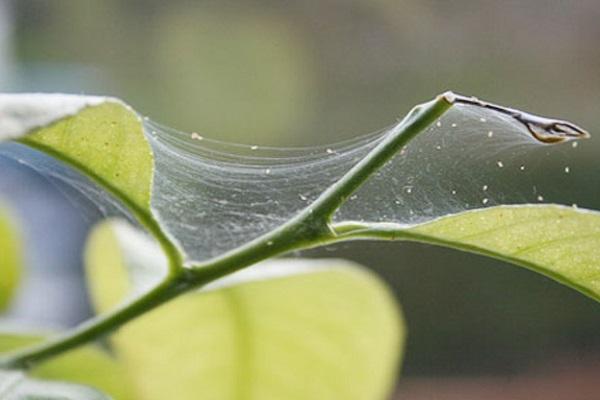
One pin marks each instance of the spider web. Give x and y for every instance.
(213, 196)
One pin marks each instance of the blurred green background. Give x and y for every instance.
(317, 71)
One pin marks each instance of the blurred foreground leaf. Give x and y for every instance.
(10, 258)
(15, 385)
(87, 366)
(280, 330)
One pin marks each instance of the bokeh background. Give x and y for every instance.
(311, 72)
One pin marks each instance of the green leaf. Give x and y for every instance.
(279, 330)
(560, 242)
(10, 258)
(87, 366)
(101, 137)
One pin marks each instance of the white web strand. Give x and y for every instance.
(213, 197)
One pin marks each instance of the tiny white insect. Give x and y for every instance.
(500, 164)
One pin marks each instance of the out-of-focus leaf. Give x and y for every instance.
(286, 329)
(10, 258)
(87, 366)
(132, 270)
(15, 385)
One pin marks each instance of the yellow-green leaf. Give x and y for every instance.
(560, 242)
(285, 329)
(105, 141)
(87, 366)
(10, 258)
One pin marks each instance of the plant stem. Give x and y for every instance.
(309, 228)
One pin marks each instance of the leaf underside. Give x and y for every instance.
(560, 242)
(557, 241)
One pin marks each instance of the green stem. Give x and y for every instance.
(309, 228)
